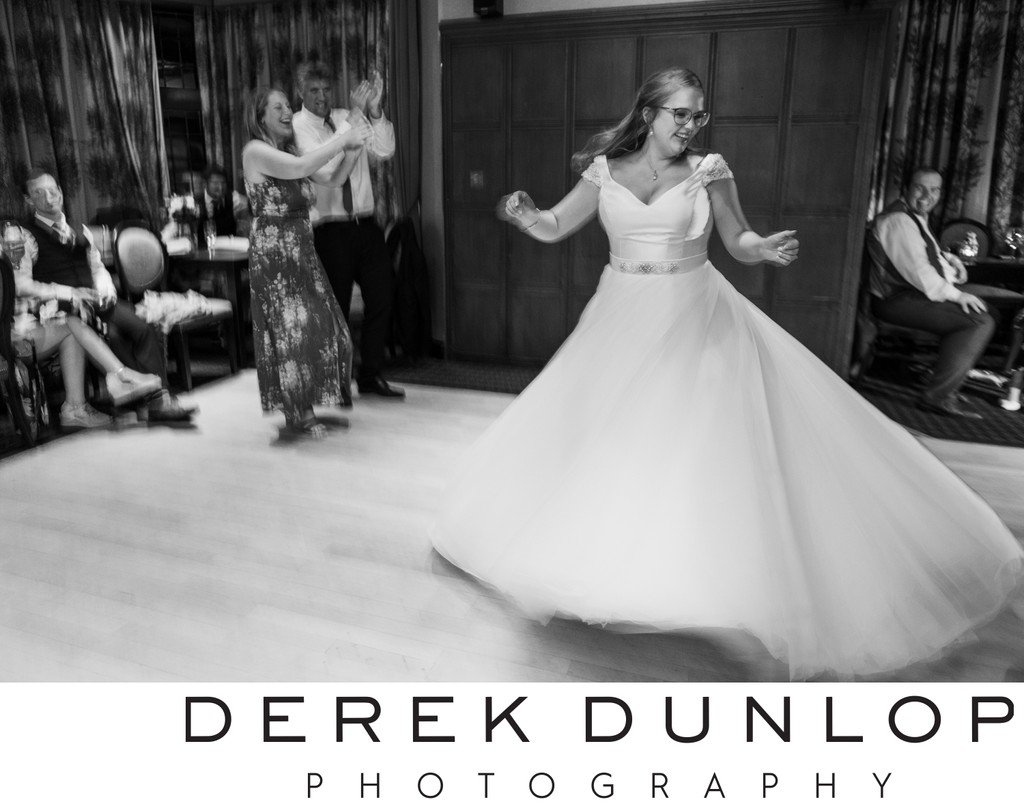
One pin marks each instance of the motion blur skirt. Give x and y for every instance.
(683, 462)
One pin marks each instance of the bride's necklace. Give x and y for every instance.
(654, 171)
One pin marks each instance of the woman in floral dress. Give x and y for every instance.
(302, 343)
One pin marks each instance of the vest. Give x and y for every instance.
(66, 264)
(224, 217)
(884, 279)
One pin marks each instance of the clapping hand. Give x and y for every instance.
(519, 209)
(366, 97)
(376, 94)
(358, 135)
(781, 248)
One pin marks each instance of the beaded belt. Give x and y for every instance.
(669, 267)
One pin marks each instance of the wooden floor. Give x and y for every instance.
(219, 553)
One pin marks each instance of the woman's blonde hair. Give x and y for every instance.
(255, 108)
(631, 132)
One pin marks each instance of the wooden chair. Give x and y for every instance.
(955, 232)
(21, 380)
(876, 338)
(140, 259)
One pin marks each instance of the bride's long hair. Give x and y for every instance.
(631, 132)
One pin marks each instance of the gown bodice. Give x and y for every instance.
(674, 226)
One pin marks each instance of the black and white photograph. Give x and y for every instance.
(492, 401)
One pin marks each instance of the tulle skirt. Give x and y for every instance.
(683, 462)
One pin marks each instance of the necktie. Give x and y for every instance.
(62, 234)
(346, 188)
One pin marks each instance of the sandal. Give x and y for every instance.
(309, 427)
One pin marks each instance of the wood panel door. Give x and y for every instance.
(794, 91)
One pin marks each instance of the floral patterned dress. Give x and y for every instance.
(302, 344)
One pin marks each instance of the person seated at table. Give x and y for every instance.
(913, 283)
(63, 266)
(215, 204)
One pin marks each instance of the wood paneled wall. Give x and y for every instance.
(794, 90)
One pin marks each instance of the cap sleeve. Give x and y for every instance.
(715, 168)
(594, 173)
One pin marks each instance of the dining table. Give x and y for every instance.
(1006, 272)
(999, 281)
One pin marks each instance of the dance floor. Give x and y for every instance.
(219, 553)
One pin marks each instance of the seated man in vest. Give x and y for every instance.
(914, 284)
(64, 266)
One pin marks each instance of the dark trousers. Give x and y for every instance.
(355, 252)
(134, 341)
(963, 336)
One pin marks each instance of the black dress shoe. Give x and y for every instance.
(377, 386)
(165, 407)
(953, 406)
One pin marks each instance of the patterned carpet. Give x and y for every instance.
(895, 395)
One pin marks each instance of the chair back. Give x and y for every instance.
(865, 325)
(139, 257)
(954, 234)
(7, 294)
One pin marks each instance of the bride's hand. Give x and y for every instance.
(780, 248)
(518, 208)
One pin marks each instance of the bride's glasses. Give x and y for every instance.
(683, 116)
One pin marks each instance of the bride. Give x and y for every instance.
(682, 462)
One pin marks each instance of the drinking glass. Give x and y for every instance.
(13, 242)
(210, 231)
(1015, 238)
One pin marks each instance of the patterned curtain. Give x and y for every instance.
(953, 77)
(405, 103)
(79, 83)
(1006, 199)
(241, 47)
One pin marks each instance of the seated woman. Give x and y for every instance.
(52, 337)
(52, 314)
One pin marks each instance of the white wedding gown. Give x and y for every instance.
(683, 462)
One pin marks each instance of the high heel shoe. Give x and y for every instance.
(126, 385)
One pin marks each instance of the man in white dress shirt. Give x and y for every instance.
(914, 283)
(348, 240)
